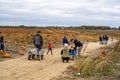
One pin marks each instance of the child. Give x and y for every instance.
(65, 54)
(49, 47)
(72, 52)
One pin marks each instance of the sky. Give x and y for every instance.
(60, 12)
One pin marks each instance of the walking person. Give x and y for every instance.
(38, 42)
(1, 42)
(106, 39)
(78, 46)
(65, 40)
(101, 39)
(50, 47)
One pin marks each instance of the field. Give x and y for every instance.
(19, 40)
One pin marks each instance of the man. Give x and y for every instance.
(78, 45)
(38, 42)
(1, 42)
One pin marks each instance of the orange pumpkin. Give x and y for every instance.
(1, 52)
(103, 52)
(102, 58)
(21, 53)
(75, 67)
(6, 55)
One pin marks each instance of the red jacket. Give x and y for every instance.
(49, 45)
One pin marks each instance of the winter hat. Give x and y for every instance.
(66, 45)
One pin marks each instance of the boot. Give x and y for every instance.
(41, 56)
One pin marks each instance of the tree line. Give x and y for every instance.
(66, 27)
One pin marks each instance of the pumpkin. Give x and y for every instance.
(1, 52)
(102, 58)
(75, 67)
(6, 55)
(21, 53)
(103, 52)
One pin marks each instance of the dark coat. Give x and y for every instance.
(38, 40)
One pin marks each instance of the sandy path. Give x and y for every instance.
(22, 69)
(51, 66)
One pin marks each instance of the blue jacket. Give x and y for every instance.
(65, 40)
(72, 52)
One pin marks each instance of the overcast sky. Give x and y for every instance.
(60, 12)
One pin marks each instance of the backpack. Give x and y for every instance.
(65, 52)
(37, 40)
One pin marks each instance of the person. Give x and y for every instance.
(72, 52)
(1, 42)
(65, 41)
(101, 39)
(38, 42)
(106, 39)
(50, 47)
(78, 45)
(65, 54)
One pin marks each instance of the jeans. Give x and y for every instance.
(38, 48)
(79, 50)
(1, 46)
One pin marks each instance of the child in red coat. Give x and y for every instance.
(50, 47)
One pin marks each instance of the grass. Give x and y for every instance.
(93, 66)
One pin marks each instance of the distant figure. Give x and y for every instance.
(105, 38)
(78, 45)
(38, 42)
(1, 42)
(101, 39)
(65, 41)
(50, 47)
(72, 52)
(65, 53)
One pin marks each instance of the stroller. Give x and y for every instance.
(33, 53)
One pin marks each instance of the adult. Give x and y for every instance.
(1, 42)
(65, 41)
(78, 45)
(38, 42)
(106, 39)
(101, 39)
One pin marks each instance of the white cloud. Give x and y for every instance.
(56, 12)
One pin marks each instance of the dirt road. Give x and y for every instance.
(51, 66)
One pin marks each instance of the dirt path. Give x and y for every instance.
(51, 66)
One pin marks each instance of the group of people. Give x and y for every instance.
(103, 39)
(66, 52)
(74, 50)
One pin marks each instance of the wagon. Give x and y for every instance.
(32, 54)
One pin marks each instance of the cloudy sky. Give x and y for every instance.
(60, 12)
